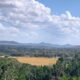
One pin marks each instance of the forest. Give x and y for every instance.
(64, 69)
(24, 50)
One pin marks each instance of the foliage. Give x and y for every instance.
(67, 67)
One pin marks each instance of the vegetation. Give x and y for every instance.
(20, 50)
(65, 69)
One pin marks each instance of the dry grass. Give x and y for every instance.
(37, 61)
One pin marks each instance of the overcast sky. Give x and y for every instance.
(34, 21)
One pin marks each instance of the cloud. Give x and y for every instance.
(28, 18)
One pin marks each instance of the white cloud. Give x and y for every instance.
(28, 17)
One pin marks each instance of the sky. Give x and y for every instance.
(35, 21)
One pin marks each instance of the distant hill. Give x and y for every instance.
(8, 42)
(37, 45)
(13, 48)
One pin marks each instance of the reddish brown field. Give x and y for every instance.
(37, 61)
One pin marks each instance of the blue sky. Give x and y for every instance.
(60, 6)
(34, 21)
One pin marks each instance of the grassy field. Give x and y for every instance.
(37, 61)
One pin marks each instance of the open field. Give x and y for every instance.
(37, 61)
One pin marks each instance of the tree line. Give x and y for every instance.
(37, 52)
